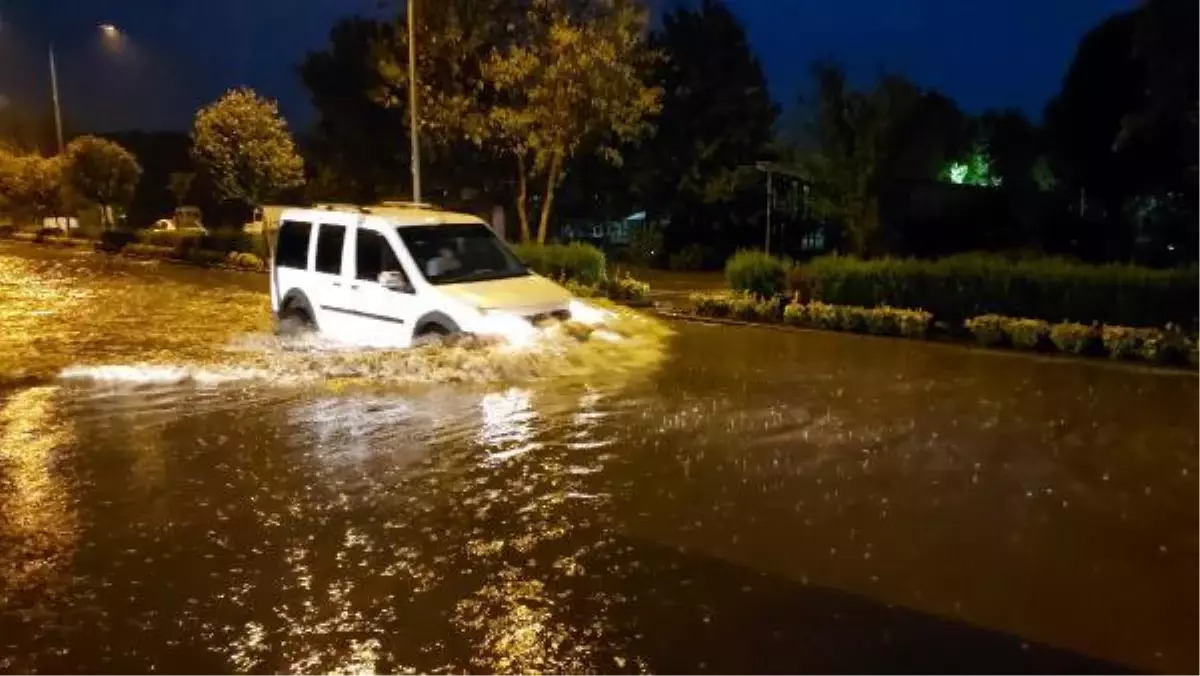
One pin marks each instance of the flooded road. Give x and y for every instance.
(180, 492)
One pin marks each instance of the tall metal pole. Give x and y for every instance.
(54, 95)
(767, 248)
(412, 102)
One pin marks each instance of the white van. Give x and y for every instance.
(387, 275)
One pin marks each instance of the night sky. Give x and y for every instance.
(179, 54)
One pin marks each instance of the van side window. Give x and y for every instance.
(292, 245)
(373, 255)
(330, 239)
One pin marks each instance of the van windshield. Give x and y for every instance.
(462, 252)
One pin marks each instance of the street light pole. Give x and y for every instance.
(770, 198)
(54, 94)
(412, 102)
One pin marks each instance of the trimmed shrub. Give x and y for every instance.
(734, 305)
(757, 273)
(626, 288)
(1125, 342)
(711, 304)
(576, 261)
(817, 315)
(743, 306)
(246, 261)
(580, 290)
(1027, 334)
(851, 318)
(989, 330)
(149, 251)
(1164, 346)
(913, 323)
(793, 314)
(969, 285)
(881, 321)
(1074, 337)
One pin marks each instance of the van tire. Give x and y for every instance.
(430, 332)
(295, 321)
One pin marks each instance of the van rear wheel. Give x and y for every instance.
(295, 322)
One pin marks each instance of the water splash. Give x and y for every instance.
(606, 343)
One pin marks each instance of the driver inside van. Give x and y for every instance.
(446, 261)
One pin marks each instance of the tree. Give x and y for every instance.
(31, 185)
(577, 83)
(716, 120)
(1084, 119)
(563, 76)
(180, 185)
(243, 144)
(1162, 125)
(359, 145)
(102, 173)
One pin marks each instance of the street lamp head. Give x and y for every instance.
(109, 30)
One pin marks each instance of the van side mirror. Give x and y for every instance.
(394, 280)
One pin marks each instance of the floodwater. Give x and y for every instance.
(180, 492)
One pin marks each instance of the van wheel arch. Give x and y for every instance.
(435, 324)
(296, 311)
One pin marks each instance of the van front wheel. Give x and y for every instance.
(431, 332)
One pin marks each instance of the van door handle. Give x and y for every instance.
(338, 284)
(354, 287)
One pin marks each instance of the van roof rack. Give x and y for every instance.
(337, 206)
(408, 205)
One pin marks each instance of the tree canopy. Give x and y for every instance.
(102, 172)
(31, 185)
(360, 143)
(712, 127)
(536, 84)
(243, 144)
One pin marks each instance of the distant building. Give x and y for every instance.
(605, 233)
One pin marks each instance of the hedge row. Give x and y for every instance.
(1168, 345)
(224, 242)
(582, 269)
(237, 259)
(960, 287)
(882, 321)
(576, 261)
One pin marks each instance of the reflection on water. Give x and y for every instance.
(714, 500)
(508, 419)
(35, 506)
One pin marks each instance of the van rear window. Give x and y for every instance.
(292, 247)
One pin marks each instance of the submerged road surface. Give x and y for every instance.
(181, 492)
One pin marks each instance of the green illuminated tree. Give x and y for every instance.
(101, 172)
(975, 169)
(244, 145)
